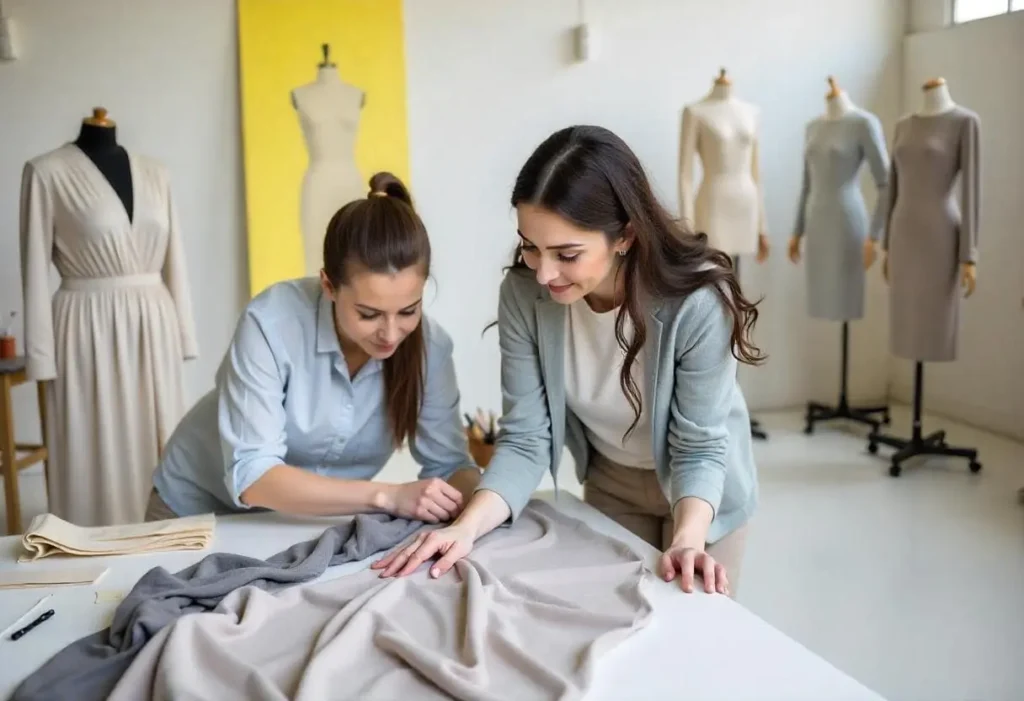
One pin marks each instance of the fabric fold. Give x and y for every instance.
(49, 535)
(527, 615)
(90, 668)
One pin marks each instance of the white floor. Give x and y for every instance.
(914, 586)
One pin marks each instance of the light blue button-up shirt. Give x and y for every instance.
(283, 395)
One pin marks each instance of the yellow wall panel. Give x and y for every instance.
(279, 50)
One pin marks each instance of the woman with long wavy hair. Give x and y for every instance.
(620, 334)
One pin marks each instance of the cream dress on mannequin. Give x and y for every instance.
(722, 131)
(328, 110)
(111, 341)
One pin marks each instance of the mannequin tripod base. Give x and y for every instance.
(866, 415)
(919, 444)
(822, 412)
(756, 431)
(934, 444)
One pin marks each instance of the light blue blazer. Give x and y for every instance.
(700, 423)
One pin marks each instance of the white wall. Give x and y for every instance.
(489, 80)
(983, 63)
(929, 15)
(486, 81)
(167, 71)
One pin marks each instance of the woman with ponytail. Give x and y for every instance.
(620, 334)
(323, 380)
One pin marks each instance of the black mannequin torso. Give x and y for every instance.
(100, 145)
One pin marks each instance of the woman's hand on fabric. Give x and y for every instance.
(449, 544)
(686, 562)
(431, 500)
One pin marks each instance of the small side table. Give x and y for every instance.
(12, 374)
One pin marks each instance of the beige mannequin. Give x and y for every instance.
(329, 111)
(721, 131)
(936, 100)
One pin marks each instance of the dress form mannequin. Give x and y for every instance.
(837, 103)
(832, 221)
(937, 99)
(721, 130)
(110, 344)
(98, 140)
(329, 111)
(931, 235)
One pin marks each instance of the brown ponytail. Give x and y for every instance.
(383, 234)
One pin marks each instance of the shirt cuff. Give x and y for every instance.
(514, 495)
(246, 472)
(702, 487)
(40, 369)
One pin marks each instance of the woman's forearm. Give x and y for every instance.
(691, 519)
(466, 481)
(485, 512)
(293, 490)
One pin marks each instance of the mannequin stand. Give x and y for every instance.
(935, 444)
(822, 412)
(755, 426)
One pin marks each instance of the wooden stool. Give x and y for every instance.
(12, 374)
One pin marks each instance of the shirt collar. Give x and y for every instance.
(326, 337)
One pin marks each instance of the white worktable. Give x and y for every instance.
(698, 647)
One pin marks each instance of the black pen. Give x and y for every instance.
(45, 617)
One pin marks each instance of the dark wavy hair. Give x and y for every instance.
(383, 234)
(590, 177)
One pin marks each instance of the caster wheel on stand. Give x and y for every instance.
(809, 429)
(886, 419)
(872, 447)
(975, 466)
(895, 470)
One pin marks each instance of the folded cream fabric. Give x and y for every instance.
(50, 535)
(525, 617)
(65, 576)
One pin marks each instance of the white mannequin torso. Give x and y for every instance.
(936, 101)
(722, 131)
(839, 106)
(329, 111)
(720, 91)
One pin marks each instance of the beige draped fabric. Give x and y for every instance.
(113, 337)
(526, 616)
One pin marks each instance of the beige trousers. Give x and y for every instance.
(632, 497)
(157, 509)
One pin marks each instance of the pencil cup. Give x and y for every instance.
(481, 451)
(7, 348)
